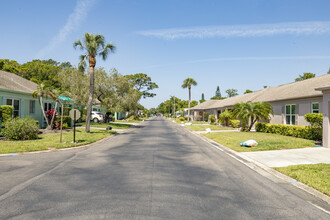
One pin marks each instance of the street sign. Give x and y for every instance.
(72, 114)
(64, 98)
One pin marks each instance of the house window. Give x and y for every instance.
(47, 106)
(32, 106)
(15, 104)
(315, 107)
(290, 114)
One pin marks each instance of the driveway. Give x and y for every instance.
(157, 171)
(283, 158)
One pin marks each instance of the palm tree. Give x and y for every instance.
(42, 91)
(93, 45)
(187, 83)
(250, 113)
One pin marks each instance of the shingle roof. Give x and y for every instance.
(14, 82)
(295, 90)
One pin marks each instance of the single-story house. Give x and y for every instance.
(290, 102)
(17, 91)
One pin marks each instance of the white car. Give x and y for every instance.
(97, 116)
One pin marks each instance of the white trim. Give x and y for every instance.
(315, 109)
(290, 114)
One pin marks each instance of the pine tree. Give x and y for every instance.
(218, 93)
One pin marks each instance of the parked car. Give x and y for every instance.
(97, 116)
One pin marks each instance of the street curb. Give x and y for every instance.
(241, 158)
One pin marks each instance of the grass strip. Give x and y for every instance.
(47, 141)
(265, 141)
(313, 175)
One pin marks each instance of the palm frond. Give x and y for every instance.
(108, 48)
(99, 40)
(82, 64)
(78, 43)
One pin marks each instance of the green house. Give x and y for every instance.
(17, 92)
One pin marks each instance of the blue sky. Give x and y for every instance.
(241, 44)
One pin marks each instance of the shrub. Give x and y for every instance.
(20, 129)
(65, 125)
(49, 115)
(66, 120)
(212, 118)
(6, 112)
(306, 132)
(206, 117)
(316, 119)
(234, 123)
(181, 118)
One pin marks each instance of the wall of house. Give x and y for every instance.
(303, 107)
(24, 104)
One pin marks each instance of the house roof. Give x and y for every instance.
(11, 81)
(295, 90)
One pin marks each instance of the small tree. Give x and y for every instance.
(225, 117)
(248, 91)
(43, 91)
(249, 113)
(187, 83)
(203, 99)
(305, 76)
(231, 92)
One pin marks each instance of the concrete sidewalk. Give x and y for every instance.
(283, 158)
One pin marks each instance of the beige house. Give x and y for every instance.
(290, 102)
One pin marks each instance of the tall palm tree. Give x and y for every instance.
(250, 113)
(187, 83)
(93, 45)
(42, 91)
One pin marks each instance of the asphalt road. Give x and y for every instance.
(157, 171)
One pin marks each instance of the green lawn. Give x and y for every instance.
(265, 141)
(203, 127)
(47, 141)
(104, 125)
(313, 175)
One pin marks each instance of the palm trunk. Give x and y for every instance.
(189, 104)
(252, 123)
(90, 98)
(52, 121)
(43, 110)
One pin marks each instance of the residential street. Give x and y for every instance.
(158, 170)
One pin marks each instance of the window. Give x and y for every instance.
(32, 106)
(315, 107)
(47, 106)
(15, 104)
(290, 114)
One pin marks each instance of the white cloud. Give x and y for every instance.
(254, 30)
(240, 59)
(75, 19)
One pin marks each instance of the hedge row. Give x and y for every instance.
(306, 132)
